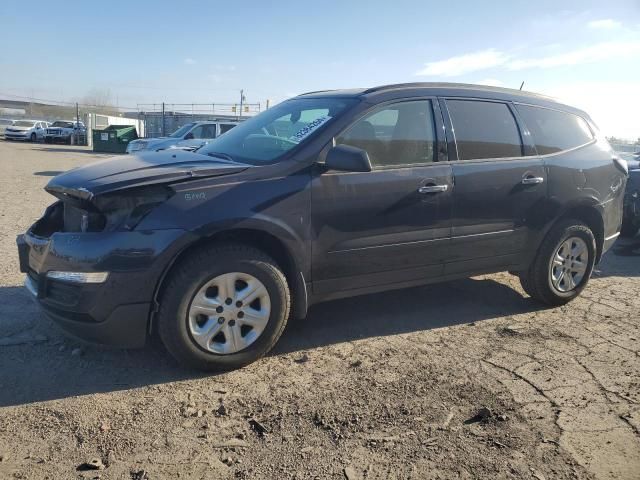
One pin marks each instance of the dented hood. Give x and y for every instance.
(145, 168)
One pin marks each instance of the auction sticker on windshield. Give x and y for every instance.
(308, 129)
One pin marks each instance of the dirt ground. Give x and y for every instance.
(469, 379)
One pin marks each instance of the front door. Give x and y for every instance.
(500, 188)
(391, 225)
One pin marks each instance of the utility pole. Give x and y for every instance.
(241, 101)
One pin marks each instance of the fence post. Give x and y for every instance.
(77, 133)
(89, 129)
(163, 119)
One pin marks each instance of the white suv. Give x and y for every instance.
(188, 137)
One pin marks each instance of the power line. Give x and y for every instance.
(60, 103)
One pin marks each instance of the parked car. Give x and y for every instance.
(188, 137)
(30, 130)
(4, 123)
(326, 195)
(63, 130)
(631, 215)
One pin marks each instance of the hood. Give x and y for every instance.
(156, 142)
(146, 168)
(16, 128)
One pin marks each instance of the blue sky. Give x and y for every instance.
(586, 53)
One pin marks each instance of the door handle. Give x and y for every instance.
(433, 188)
(532, 180)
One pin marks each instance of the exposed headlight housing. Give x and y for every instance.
(124, 210)
(79, 277)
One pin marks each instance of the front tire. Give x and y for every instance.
(203, 321)
(563, 264)
(34, 138)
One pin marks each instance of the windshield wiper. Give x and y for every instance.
(221, 155)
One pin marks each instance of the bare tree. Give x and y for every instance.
(98, 100)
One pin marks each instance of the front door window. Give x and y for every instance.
(395, 135)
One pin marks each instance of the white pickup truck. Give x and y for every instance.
(63, 130)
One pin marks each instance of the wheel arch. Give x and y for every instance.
(260, 239)
(592, 217)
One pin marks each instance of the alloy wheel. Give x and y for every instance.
(569, 264)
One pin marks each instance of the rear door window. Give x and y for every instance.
(396, 134)
(484, 130)
(554, 131)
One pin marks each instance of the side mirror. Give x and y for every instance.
(188, 136)
(348, 159)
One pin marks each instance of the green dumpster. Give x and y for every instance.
(114, 138)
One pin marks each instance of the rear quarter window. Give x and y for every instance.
(484, 130)
(554, 131)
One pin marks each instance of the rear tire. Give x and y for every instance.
(34, 138)
(563, 264)
(188, 338)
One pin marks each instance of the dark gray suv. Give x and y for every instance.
(329, 194)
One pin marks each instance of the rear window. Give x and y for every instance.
(484, 130)
(554, 131)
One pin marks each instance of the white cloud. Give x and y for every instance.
(189, 61)
(225, 68)
(492, 82)
(485, 59)
(590, 54)
(606, 24)
(461, 64)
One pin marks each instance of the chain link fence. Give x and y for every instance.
(162, 119)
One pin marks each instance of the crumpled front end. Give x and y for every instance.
(96, 283)
(91, 271)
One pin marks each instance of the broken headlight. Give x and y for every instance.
(124, 210)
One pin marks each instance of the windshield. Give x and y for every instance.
(24, 123)
(62, 124)
(182, 131)
(267, 136)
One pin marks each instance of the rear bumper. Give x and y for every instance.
(115, 312)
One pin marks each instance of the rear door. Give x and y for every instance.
(500, 186)
(391, 225)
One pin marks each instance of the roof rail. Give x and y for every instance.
(398, 86)
(316, 91)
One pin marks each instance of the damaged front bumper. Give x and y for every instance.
(115, 311)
